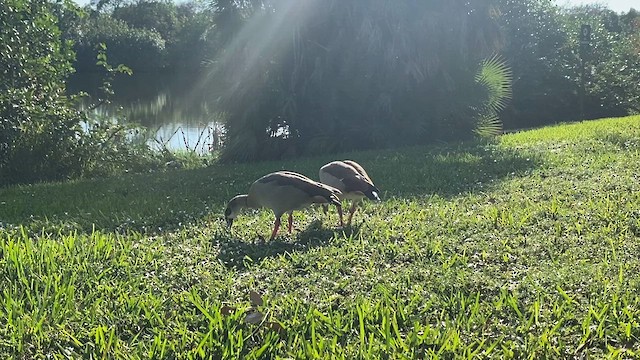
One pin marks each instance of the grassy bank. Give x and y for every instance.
(524, 248)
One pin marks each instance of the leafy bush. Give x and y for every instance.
(111, 147)
(41, 137)
(39, 129)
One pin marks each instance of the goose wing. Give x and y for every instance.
(349, 177)
(287, 190)
(359, 169)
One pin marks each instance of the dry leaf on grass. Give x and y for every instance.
(256, 299)
(254, 317)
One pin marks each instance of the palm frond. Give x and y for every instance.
(496, 76)
(488, 125)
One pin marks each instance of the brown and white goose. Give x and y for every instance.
(352, 180)
(282, 192)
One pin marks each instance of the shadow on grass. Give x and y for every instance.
(237, 253)
(448, 171)
(163, 201)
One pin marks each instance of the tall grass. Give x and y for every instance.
(522, 248)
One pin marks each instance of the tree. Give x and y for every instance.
(318, 76)
(140, 49)
(148, 36)
(613, 63)
(195, 41)
(160, 16)
(536, 47)
(542, 47)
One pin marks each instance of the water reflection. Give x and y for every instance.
(176, 115)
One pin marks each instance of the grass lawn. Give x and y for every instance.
(527, 247)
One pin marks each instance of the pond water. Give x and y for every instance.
(176, 114)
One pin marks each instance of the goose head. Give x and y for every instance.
(234, 207)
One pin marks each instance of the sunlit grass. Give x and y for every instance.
(523, 248)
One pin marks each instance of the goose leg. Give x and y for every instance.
(276, 226)
(290, 221)
(353, 210)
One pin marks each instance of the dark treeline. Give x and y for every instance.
(304, 77)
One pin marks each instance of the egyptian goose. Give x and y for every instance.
(282, 192)
(352, 180)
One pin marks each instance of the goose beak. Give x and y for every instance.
(229, 223)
